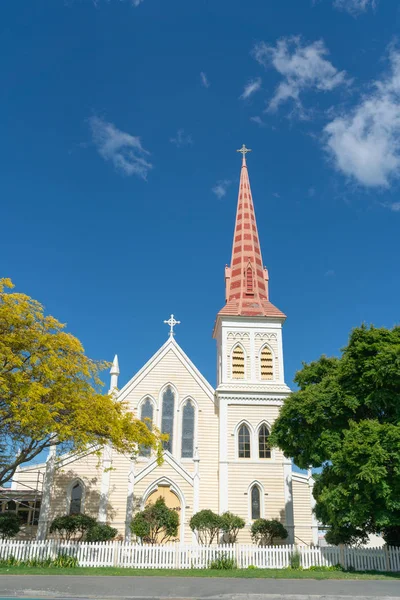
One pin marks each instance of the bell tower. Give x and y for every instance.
(250, 369)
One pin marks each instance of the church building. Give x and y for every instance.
(218, 454)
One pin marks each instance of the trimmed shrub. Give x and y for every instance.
(207, 525)
(100, 532)
(156, 523)
(264, 532)
(231, 525)
(72, 526)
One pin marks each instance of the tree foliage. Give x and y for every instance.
(100, 532)
(156, 523)
(10, 525)
(207, 525)
(345, 418)
(50, 391)
(264, 531)
(72, 526)
(231, 525)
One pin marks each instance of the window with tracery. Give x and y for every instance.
(267, 369)
(244, 449)
(146, 415)
(264, 449)
(167, 419)
(75, 505)
(255, 498)
(188, 416)
(237, 363)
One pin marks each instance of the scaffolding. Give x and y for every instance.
(24, 498)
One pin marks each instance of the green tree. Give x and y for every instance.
(264, 532)
(156, 524)
(10, 525)
(345, 419)
(231, 525)
(50, 391)
(72, 526)
(207, 525)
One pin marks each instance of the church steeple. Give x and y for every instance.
(246, 279)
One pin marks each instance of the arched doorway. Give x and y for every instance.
(171, 499)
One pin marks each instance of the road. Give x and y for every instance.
(70, 586)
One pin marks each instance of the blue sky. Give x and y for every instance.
(119, 125)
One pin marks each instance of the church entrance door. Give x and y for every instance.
(170, 498)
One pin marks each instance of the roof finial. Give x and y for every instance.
(172, 322)
(244, 151)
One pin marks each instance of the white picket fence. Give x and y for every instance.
(184, 556)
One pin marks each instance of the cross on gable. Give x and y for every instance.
(172, 322)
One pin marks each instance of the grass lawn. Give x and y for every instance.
(245, 573)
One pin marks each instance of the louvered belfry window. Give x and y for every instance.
(267, 371)
(249, 280)
(237, 363)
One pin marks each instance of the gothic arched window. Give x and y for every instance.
(237, 363)
(264, 449)
(255, 498)
(167, 420)
(244, 442)
(266, 359)
(188, 415)
(75, 505)
(146, 415)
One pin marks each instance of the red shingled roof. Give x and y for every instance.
(247, 279)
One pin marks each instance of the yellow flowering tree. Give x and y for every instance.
(51, 392)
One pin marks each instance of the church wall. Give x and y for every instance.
(118, 491)
(171, 369)
(243, 472)
(302, 511)
(89, 470)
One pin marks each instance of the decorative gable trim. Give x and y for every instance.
(170, 345)
(170, 461)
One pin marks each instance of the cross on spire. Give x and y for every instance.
(243, 150)
(172, 322)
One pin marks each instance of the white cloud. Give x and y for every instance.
(364, 142)
(276, 195)
(136, 2)
(393, 206)
(258, 120)
(204, 80)
(354, 7)
(221, 187)
(124, 150)
(181, 139)
(251, 88)
(301, 66)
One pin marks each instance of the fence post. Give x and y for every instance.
(341, 556)
(387, 558)
(115, 554)
(177, 555)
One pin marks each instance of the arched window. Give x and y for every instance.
(146, 415)
(237, 363)
(167, 421)
(255, 498)
(264, 449)
(266, 359)
(75, 505)
(244, 442)
(188, 415)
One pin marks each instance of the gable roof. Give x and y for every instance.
(170, 345)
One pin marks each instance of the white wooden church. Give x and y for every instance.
(218, 454)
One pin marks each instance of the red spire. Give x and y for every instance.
(246, 279)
